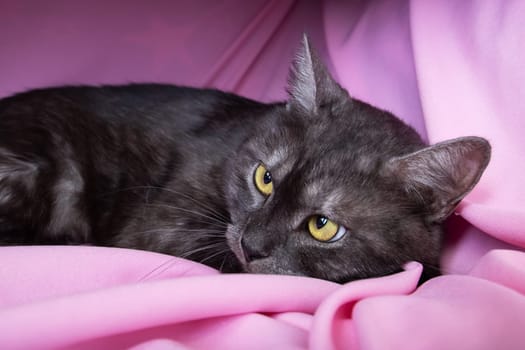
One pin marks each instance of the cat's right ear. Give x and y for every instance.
(440, 176)
(310, 85)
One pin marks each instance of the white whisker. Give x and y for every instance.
(208, 208)
(224, 251)
(214, 220)
(200, 249)
(201, 232)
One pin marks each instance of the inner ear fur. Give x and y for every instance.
(440, 176)
(310, 85)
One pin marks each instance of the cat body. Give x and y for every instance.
(321, 185)
(120, 165)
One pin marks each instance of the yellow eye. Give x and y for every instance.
(263, 180)
(324, 229)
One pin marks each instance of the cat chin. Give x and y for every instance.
(269, 266)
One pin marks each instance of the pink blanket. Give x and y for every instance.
(449, 68)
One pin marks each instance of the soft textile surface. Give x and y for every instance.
(449, 68)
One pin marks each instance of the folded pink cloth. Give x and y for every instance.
(93, 298)
(449, 68)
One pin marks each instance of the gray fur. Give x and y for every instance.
(171, 169)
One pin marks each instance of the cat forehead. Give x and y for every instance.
(277, 155)
(328, 197)
(316, 161)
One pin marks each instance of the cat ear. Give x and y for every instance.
(309, 84)
(440, 176)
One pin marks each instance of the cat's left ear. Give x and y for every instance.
(439, 176)
(310, 85)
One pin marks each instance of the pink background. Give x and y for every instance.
(448, 68)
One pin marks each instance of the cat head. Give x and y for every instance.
(331, 187)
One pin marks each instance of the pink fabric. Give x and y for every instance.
(449, 68)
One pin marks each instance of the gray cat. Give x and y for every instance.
(321, 185)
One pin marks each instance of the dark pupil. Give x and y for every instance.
(321, 221)
(267, 178)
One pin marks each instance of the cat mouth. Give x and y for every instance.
(266, 265)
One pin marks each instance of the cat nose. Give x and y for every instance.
(252, 252)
